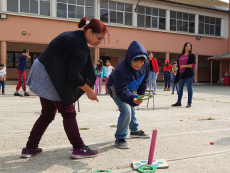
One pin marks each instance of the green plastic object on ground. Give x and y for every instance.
(102, 170)
(145, 97)
(141, 168)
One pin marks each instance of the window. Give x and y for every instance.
(12, 59)
(209, 25)
(115, 12)
(151, 17)
(182, 22)
(75, 8)
(40, 7)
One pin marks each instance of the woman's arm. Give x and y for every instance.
(192, 60)
(90, 93)
(188, 66)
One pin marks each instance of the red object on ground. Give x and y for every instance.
(181, 120)
(227, 80)
(117, 110)
(211, 143)
(189, 118)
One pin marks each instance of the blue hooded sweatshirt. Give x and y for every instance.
(124, 80)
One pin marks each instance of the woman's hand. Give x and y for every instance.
(92, 95)
(183, 66)
(137, 101)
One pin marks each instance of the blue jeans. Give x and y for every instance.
(189, 82)
(2, 84)
(152, 80)
(175, 85)
(126, 119)
(167, 77)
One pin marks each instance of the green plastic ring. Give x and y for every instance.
(144, 97)
(102, 170)
(141, 168)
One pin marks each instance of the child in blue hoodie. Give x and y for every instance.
(129, 77)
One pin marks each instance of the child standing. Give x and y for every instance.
(2, 78)
(100, 74)
(22, 72)
(129, 76)
(109, 70)
(167, 76)
(174, 72)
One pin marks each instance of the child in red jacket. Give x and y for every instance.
(167, 75)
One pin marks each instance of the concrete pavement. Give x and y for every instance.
(184, 144)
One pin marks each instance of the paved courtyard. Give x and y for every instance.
(184, 144)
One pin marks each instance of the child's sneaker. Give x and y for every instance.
(26, 94)
(29, 152)
(84, 153)
(121, 143)
(17, 94)
(138, 134)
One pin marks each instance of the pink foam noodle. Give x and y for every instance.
(152, 147)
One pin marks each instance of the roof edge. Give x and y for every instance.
(196, 6)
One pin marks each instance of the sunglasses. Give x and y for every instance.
(99, 39)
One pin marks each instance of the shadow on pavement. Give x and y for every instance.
(51, 161)
(223, 141)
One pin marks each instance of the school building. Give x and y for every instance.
(162, 26)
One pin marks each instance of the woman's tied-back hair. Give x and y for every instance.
(100, 66)
(95, 25)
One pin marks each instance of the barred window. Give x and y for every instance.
(151, 17)
(40, 7)
(209, 25)
(75, 8)
(115, 12)
(182, 22)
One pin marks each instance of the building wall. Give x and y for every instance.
(11, 31)
(40, 30)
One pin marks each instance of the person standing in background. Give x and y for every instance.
(22, 72)
(167, 76)
(154, 71)
(100, 73)
(2, 78)
(174, 72)
(185, 74)
(109, 70)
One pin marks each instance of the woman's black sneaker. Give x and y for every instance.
(176, 104)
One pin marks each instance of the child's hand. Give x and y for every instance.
(137, 101)
(92, 95)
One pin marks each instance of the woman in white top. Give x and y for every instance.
(109, 70)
